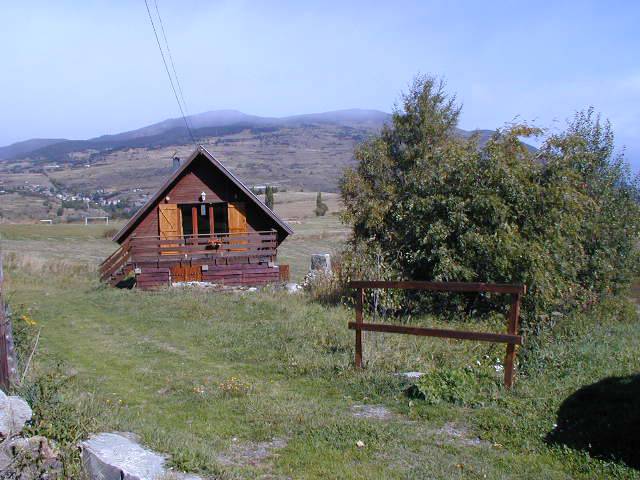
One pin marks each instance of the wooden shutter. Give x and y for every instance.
(237, 224)
(237, 217)
(169, 224)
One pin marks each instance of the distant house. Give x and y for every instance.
(203, 224)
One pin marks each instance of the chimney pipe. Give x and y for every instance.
(176, 164)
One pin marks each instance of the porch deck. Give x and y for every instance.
(228, 258)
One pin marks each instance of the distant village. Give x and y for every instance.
(113, 203)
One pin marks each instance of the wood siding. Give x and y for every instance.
(229, 275)
(154, 246)
(187, 188)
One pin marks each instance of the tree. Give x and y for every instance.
(321, 207)
(427, 204)
(269, 200)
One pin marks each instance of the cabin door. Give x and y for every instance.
(169, 225)
(237, 214)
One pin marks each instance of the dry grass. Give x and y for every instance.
(300, 205)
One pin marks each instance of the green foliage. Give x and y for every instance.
(426, 204)
(74, 204)
(459, 386)
(269, 200)
(321, 207)
(57, 416)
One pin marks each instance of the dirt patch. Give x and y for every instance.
(458, 435)
(375, 412)
(254, 454)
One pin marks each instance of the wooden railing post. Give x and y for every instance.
(359, 319)
(514, 319)
(4, 353)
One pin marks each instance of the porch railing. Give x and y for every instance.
(139, 250)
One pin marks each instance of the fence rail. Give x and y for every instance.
(511, 338)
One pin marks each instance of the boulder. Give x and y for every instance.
(14, 413)
(293, 287)
(112, 456)
(117, 456)
(321, 262)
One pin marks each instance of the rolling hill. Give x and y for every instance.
(302, 152)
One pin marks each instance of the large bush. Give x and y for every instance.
(425, 203)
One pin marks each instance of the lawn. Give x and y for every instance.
(261, 384)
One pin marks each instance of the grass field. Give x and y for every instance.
(261, 385)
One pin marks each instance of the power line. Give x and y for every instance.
(173, 66)
(166, 67)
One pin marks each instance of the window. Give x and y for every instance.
(187, 223)
(221, 223)
(202, 211)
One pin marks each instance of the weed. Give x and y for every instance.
(458, 386)
(233, 387)
(57, 415)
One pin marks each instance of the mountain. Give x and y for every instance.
(173, 132)
(19, 149)
(351, 117)
(296, 152)
(216, 118)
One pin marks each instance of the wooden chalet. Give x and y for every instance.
(203, 224)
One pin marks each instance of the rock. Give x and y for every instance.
(14, 413)
(322, 262)
(111, 456)
(33, 458)
(293, 287)
(411, 375)
(360, 444)
(117, 456)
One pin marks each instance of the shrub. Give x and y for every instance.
(110, 233)
(321, 207)
(269, 200)
(47, 391)
(57, 417)
(459, 386)
(427, 204)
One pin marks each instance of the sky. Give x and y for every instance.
(79, 69)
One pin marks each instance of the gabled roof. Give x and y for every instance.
(169, 182)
